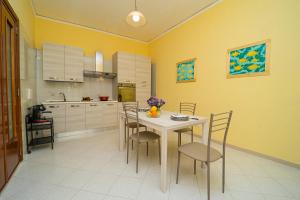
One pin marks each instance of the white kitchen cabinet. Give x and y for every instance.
(75, 116)
(89, 63)
(124, 66)
(143, 79)
(59, 116)
(109, 115)
(53, 62)
(73, 64)
(94, 115)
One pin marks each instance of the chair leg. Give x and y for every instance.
(179, 139)
(208, 181)
(125, 132)
(132, 140)
(192, 136)
(223, 174)
(195, 167)
(137, 157)
(159, 156)
(127, 148)
(178, 164)
(147, 153)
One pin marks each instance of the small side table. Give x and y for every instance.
(36, 126)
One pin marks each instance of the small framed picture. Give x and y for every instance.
(249, 60)
(186, 71)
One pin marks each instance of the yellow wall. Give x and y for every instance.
(266, 109)
(89, 40)
(26, 17)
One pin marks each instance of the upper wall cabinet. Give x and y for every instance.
(62, 63)
(124, 66)
(73, 64)
(53, 62)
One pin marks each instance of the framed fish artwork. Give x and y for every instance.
(249, 60)
(186, 71)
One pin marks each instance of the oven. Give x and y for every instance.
(126, 92)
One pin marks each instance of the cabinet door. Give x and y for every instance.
(110, 114)
(143, 79)
(73, 64)
(94, 113)
(59, 117)
(126, 68)
(75, 117)
(53, 62)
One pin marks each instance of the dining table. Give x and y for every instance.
(164, 125)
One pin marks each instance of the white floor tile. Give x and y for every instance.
(94, 169)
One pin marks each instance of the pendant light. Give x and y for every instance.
(135, 18)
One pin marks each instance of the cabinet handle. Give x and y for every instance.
(93, 104)
(53, 106)
(52, 78)
(110, 104)
(75, 106)
(144, 81)
(71, 79)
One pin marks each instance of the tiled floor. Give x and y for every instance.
(93, 169)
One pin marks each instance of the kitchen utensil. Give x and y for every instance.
(103, 98)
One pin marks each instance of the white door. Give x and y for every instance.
(126, 67)
(59, 116)
(94, 115)
(143, 79)
(75, 117)
(53, 62)
(74, 64)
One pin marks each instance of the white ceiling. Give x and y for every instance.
(110, 15)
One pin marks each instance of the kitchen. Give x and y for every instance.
(73, 95)
(120, 100)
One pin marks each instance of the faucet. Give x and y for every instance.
(63, 96)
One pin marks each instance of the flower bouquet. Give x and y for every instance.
(155, 105)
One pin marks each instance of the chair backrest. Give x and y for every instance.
(188, 108)
(131, 112)
(219, 123)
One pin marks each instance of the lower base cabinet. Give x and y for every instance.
(75, 117)
(79, 116)
(59, 116)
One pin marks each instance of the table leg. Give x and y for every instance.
(205, 127)
(121, 133)
(164, 160)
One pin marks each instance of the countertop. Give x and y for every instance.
(77, 102)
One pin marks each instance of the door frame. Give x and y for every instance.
(16, 84)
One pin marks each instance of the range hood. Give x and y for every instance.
(99, 69)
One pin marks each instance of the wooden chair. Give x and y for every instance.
(131, 113)
(187, 108)
(205, 153)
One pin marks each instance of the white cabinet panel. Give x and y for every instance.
(75, 117)
(110, 114)
(53, 62)
(59, 116)
(94, 115)
(89, 63)
(143, 79)
(125, 67)
(73, 64)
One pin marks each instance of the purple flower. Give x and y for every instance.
(154, 101)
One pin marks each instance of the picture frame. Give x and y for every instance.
(185, 71)
(249, 60)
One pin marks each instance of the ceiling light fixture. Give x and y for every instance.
(135, 18)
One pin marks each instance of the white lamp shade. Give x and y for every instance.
(136, 19)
